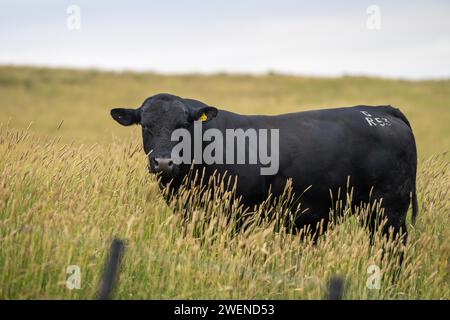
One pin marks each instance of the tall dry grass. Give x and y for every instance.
(61, 204)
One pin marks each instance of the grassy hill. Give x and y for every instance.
(75, 179)
(82, 99)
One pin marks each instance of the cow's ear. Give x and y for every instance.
(205, 114)
(126, 117)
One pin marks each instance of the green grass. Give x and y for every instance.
(65, 193)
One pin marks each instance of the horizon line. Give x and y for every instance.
(268, 72)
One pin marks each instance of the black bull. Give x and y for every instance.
(319, 151)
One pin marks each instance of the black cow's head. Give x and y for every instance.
(159, 116)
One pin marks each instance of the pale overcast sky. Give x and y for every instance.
(327, 38)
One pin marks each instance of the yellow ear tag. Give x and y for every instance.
(203, 117)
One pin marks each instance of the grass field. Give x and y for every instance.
(71, 179)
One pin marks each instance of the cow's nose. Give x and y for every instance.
(163, 165)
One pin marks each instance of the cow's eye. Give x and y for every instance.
(146, 128)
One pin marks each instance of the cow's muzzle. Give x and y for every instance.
(163, 165)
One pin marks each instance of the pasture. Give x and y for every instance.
(71, 179)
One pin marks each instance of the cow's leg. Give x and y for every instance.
(394, 228)
(311, 224)
(395, 209)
